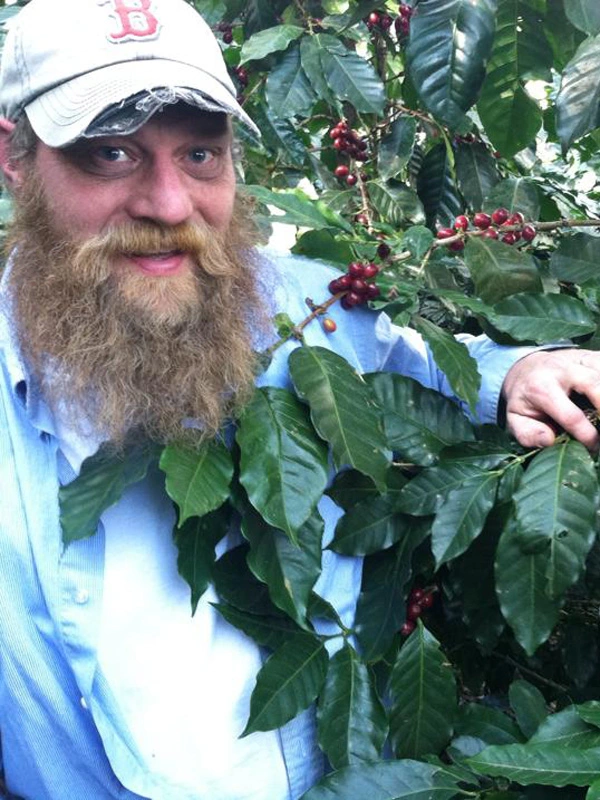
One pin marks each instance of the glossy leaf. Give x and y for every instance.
(556, 505)
(238, 587)
(195, 541)
(197, 480)
(590, 712)
(584, 14)
(395, 202)
(269, 40)
(542, 317)
(576, 259)
(436, 187)
(100, 484)
(453, 359)
(423, 692)
(300, 209)
(521, 583)
(499, 270)
(418, 422)
(567, 729)
(491, 725)
(476, 173)
(386, 780)
(351, 487)
(529, 706)
(396, 148)
(516, 194)
(462, 515)
(347, 76)
(283, 464)
(578, 100)
(472, 576)
(450, 32)
(290, 570)
(342, 410)
(289, 682)
(288, 89)
(352, 723)
(545, 764)
(267, 631)
(511, 117)
(424, 494)
(368, 527)
(381, 607)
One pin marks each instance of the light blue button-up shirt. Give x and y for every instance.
(63, 731)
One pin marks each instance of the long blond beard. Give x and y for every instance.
(136, 355)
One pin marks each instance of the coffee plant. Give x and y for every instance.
(442, 155)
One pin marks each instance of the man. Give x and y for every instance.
(133, 301)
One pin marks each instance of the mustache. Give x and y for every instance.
(204, 244)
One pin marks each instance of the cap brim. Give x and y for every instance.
(63, 114)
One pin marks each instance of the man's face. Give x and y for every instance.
(177, 169)
(133, 272)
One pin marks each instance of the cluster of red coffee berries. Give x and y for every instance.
(418, 601)
(227, 31)
(358, 283)
(382, 21)
(500, 224)
(350, 144)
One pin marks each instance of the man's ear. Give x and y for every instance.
(10, 170)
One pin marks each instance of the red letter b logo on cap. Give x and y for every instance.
(135, 20)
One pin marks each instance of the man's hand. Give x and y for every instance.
(538, 390)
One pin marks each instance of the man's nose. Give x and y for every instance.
(161, 195)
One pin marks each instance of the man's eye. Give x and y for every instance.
(201, 156)
(112, 154)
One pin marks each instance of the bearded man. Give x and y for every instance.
(132, 304)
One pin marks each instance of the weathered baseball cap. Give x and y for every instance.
(65, 62)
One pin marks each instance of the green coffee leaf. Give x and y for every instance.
(542, 318)
(556, 506)
(545, 764)
(352, 724)
(283, 464)
(289, 569)
(289, 682)
(462, 515)
(459, 34)
(529, 706)
(418, 422)
(578, 100)
(386, 780)
(576, 259)
(423, 692)
(499, 270)
(381, 608)
(521, 587)
(342, 409)
(197, 480)
(266, 631)
(268, 41)
(100, 484)
(195, 541)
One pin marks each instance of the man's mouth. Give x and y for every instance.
(159, 263)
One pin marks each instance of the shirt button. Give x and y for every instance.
(81, 596)
(83, 703)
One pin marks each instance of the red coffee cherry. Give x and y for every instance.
(482, 220)
(461, 223)
(499, 216)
